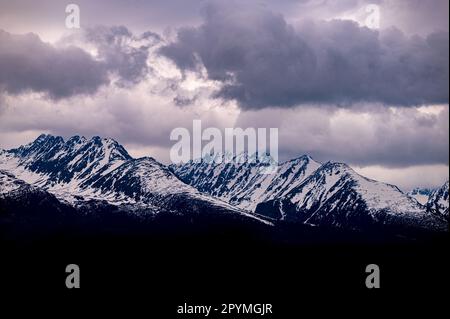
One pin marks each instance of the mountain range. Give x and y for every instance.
(65, 180)
(307, 191)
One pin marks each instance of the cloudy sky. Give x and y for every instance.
(338, 86)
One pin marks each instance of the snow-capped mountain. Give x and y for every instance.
(87, 176)
(242, 183)
(336, 195)
(307, 191)
(100, 169)
(421, 194)
(439, 200)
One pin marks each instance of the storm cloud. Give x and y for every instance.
(264, 61)
(28, 64)
(122, 52)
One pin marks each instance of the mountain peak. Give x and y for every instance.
(302, 158)
(48, 146)
(44, 143)
(76, 139)
(44, 138)
(337, 167)
(77, 158)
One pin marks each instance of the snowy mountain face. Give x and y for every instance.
(100, 169)
(306, 191)
(75, 159)
(439, 201)
(336, 195)
(97, 175)
(243, 184)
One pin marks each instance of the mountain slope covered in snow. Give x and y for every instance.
(338, 196)
(243, 184)
(100, 169)
(89, 176)
(439, 201)
(306, 191)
